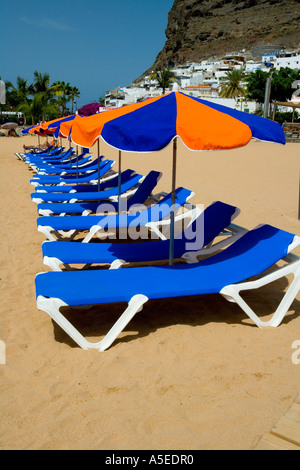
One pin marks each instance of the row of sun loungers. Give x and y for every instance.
(216, 255)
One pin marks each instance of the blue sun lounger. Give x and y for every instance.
(214, 221)
(22, 155)
(106, 183)
(70, 197)
(38, 152)
(82, 159)
(63, 158)
(55, 151)
(71, 174)
(43, 151)
(57, 159)
(142, 193)
(67, 227)
(89, 178)
(56, 156)
(83, 167)
(226, 273)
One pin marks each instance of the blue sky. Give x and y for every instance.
(95, 45)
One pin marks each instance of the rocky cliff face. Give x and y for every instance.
(200, 29)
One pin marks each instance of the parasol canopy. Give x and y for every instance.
(151, 125)
(9, 126)
(56, 125)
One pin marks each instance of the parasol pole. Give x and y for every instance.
(299, 202)
(98, 146)
(173, 200)
(69, 138)
(76, 161)
(119, 183)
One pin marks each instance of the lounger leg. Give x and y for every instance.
(91, 233)
(70, 234)
(117, 263)
(60, 234)
(45, 212)
(135, 305)
(53, 263)
(47, 231)
(154, 226)
(231, 293)
(53, 306)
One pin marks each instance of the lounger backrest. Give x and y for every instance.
(81, 158)
(63, 165)
(89, 164)
(41, 152)
(56, 151)
(111, 183)
(128, 184)
(250, 255)
(145, 189)
(162, 209)
(86, 196)
(211, 222)
(106, 165)
(94, 163)
(67, 154)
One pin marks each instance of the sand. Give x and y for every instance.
(191, 373)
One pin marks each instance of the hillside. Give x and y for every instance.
(200, 29)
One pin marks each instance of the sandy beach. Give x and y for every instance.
(186, 374)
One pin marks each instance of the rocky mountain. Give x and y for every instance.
(200, 29)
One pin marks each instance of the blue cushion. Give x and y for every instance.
(156, 212)
(211, 222)
(251, 255)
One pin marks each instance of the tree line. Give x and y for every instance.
(237, 83)
(252, 86)
(40, 100)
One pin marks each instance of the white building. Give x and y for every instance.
(251, 66)
(280, 59)
(204, 79)
(291, 60)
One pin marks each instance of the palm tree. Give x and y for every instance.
(164, 78)
(18, 94)
(41, 86)
(65, 92)
(37, 109)
(232, 86)
(58, 89)
(73, 93)
(41, 82)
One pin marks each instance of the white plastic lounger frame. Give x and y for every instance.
(232, 292)
(52, 306)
